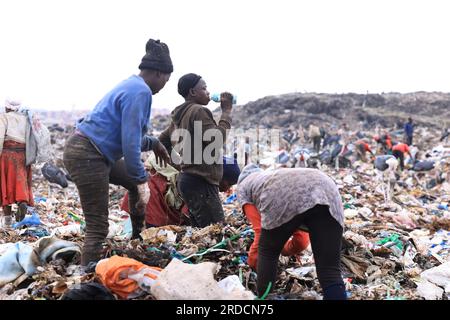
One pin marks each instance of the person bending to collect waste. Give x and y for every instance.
(294, 246)
(201, 170)
(292, 199)
(399, 151)
(385, 141)
(114, 129)
(362, 146)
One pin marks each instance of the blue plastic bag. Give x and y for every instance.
(32, 220)
(230, 199)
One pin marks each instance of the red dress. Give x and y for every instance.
(15, 176)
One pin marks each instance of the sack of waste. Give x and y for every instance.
(183, 281)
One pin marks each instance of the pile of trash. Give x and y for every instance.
(392, 250)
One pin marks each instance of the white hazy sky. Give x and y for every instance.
(59, 54)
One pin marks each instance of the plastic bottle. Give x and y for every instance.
(216, 97)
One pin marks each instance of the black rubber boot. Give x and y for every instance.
(7, 218)
(21, 211)
(137, 215)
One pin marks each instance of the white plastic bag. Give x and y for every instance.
(42, 136)
(183, 281)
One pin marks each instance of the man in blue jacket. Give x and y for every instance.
(106, 148)
(409, 130)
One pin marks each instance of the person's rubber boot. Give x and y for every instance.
(335, 292)
(137, 215)
(21, 211)
(91, 254)
(7, 217)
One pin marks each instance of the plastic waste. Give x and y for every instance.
(40, 199)
(69, 230)
(380, 162)
(194, 282)
(393, 239)
(145, 277)
(423, 165)
(358, 239)
(128, 278)
(37, 232)
(216, 98)
(88, 291)
(22, 259)
(283, 157)
(443, 206)
(76, 217)
(231, 283)
(350, 213)
(429, 291)
(302, 272)
(349, 179)
(158, 235)
(230, 199)
(121, 230)
(54, 175)
(434, 282)
(32, 220)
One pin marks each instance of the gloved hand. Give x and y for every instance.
(144, 195)
(298, 243)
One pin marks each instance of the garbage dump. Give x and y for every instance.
(395, 248)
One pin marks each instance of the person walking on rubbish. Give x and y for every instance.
(15, 174)
(409, 131)
(445, 135)
(201, 167)
(116, 128)
(292, 199)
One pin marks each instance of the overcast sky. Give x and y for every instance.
(59, 54)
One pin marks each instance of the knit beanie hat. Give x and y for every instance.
(231, 170)
(187, 82)
(157, 57)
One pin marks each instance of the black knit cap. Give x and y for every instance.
(231, 170)
(157, 57)
(187, 82)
